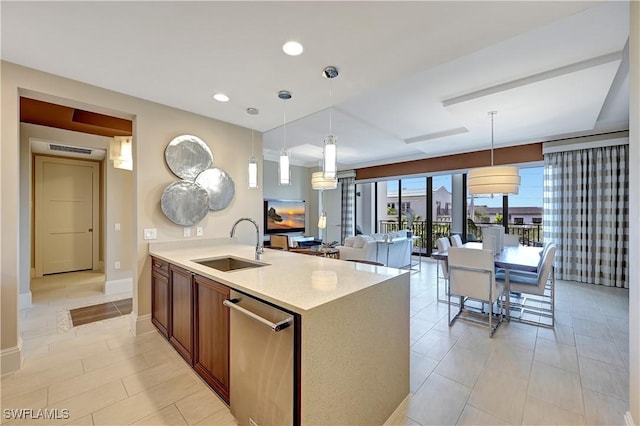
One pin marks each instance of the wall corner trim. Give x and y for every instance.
(628, 420)
(11, 359)
(118, 286)
(141, 324)
(24, 300)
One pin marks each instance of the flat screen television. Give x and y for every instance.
(281, 216)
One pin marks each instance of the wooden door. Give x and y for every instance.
(66, 215)
(211, 334)
(181, 320)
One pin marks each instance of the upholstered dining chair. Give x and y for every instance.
(511, 240)
(540, 287)
(456, 241)
(472, 276)
(443, 244)
(280, 242)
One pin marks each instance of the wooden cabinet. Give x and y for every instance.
(160, 295)
(181, 311)
(211, 334)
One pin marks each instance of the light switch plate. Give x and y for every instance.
(199, 231)
(116, 227)
(187, 232)
(150, 234)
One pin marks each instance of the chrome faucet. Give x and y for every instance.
(259, 248)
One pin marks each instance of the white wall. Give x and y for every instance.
(154, 127)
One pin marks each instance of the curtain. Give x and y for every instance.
(348, 185)
(586, 213)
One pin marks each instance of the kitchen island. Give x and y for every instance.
(352, 326)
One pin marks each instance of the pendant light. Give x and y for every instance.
(284, 171)
(330, 156)
(493, 179)
(253, 163)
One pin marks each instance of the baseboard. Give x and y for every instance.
(118, 286)
(141, 324)
(11, 359)
(628, 420)
(24, 300)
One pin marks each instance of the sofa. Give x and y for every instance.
(395, 246)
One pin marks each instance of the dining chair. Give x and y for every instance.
(539, 287)
(456, 241)
(511, 240)
(443, 244)
(489, 243)
(280, 242)
(471, 276)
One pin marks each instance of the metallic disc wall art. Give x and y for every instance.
(219, 186)
(185, 203)
(187, 156)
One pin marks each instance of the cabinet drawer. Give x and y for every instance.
(160, 266)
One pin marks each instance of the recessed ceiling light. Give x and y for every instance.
(221, 97)
(292, 48)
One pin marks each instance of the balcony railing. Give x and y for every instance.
(529, 234)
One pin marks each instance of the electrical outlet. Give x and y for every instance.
(150, 234)
(199, 231)
(187, 232)
(116, 227)
(116, 265)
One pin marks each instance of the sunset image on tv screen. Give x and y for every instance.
(285, 215)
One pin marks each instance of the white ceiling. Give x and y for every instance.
(416, 78)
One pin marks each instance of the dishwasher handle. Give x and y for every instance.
(276, 327)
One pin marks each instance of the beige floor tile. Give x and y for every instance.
(399, 416)
(419, 327)
(77, 385)
(434, 344)
(88, 402)
(601, 351)
(219, 419)
(515, 333)
(500, 395)
(34, 400)
(420, 368)
(602, 409)
(604, 378)
(24, 381)
(106, 358)
(559, 333)
(472, 416)
(150, 377)
(538, 412)
(556, 386)
(457, 329)
(200, 405)
(434, 312)
(598, 330)
(82, 421)
(513, 360)
(167, 416)
(146, 403)
(475, 338)
(439, 401)
(556, 354)
(461, 365)
(155, 358)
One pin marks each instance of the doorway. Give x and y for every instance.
(66, 215)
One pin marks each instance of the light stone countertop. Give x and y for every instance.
(294, 281)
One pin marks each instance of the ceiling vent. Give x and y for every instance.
(65, 148)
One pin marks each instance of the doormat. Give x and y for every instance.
(102, 311)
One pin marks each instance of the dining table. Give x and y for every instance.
(510, 258)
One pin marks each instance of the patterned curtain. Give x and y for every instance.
(586, 213)
(348, 185)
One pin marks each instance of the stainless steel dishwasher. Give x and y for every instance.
(262, 362)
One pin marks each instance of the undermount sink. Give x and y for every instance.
(228, 263)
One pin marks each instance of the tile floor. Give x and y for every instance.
(576, 373)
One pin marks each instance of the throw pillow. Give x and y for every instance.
(348, 242)
(359, 241)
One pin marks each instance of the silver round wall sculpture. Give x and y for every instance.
(203, 187)
(219, 186)
(187, 156)
(185, 203)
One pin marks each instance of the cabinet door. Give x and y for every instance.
(211, 350)
(160, 302)
(180, 322)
